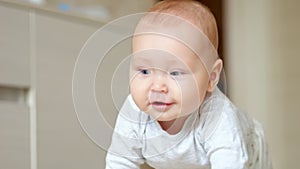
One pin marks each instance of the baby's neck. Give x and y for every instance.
(174, 126)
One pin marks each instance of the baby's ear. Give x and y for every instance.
(215, 75)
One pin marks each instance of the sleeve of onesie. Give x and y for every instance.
(224, 143)
(125, 149)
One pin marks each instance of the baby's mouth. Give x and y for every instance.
(160, 103)
(161, 106)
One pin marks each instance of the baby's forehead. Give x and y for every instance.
(153, 48)
(164, 60)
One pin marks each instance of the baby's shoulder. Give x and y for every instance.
(219, 117)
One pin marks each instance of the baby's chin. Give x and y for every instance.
(162, 116)
(165, 119)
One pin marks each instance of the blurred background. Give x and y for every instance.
(40, 41)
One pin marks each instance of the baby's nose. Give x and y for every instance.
(159, 83)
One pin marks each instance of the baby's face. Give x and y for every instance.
(167, 80)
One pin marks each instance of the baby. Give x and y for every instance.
(175, 115)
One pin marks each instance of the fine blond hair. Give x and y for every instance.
(192, 11)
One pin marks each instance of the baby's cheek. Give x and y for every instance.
(139, 93)
(187, 87)
(191, 98)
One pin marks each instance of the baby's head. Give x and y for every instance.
(174, 63)
(191, 11)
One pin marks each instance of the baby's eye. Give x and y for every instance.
(145, 71)
(175, 73)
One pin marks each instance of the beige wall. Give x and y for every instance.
(261, 43)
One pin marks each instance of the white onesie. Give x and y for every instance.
(218, 136)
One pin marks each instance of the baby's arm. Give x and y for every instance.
(224, 142)
(123, 155)
(125, 148)
(227, 158)
(248, 151)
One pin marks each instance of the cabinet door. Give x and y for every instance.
(14, 46)
(14, 136)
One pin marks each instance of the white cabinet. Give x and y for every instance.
(53, 49)
(14, 79)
